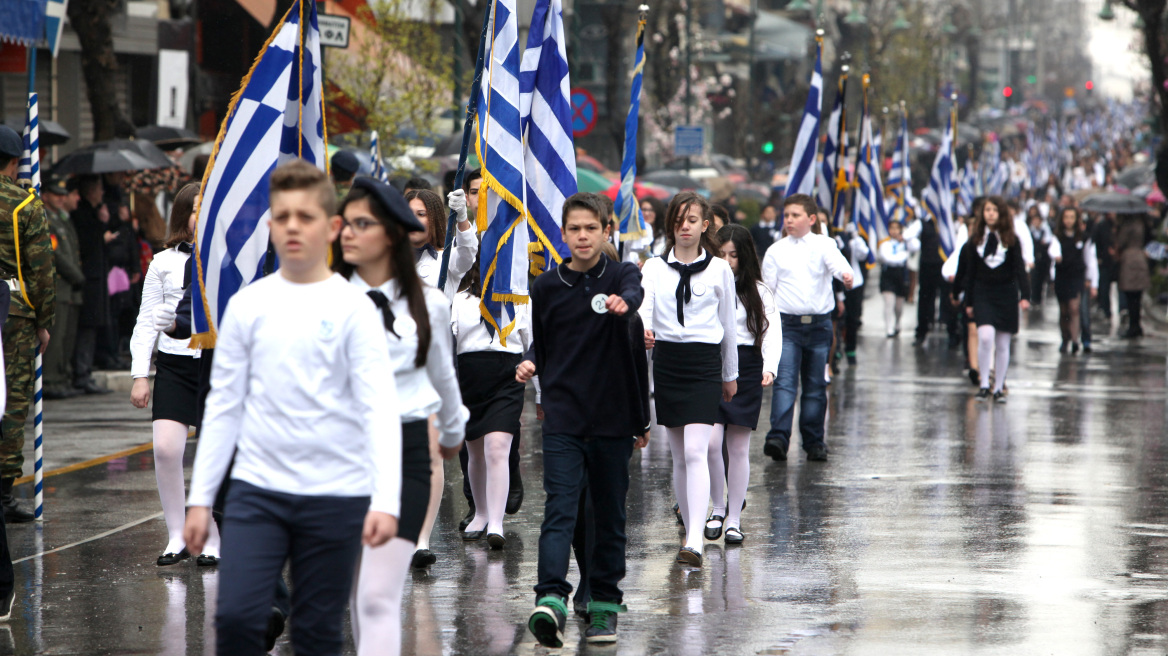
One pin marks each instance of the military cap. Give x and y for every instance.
(392, 201)
(345, 163)
(11, 145)
(58, 184)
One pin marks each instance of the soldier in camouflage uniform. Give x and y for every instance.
(27, 327)
(343, 167)
(60, 198)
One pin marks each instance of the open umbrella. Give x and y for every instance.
(113, 156)
(1114, 203)
(168, 138)
(669, 178)
(49, 133)
(1136, 175)
(643, 190)
(591, 181)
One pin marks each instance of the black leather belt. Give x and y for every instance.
(802, 318)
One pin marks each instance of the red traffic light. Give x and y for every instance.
(1090, 85)
(1007, 91)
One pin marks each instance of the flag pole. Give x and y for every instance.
(38, 381)
(467, 131)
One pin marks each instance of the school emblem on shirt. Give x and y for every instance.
(598, 303)
(698, 289)
(404, 326)
(327, 328)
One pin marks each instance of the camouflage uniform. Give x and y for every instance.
(20, 330)
(58, 369)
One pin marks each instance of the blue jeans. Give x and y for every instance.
(567, 460)
(805, 351)
(262, 530)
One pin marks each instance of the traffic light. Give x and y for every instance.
(1007, 91)
(768, 147)
(1031, 79)
(1090, 85)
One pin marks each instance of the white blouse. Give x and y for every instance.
(895, 253)
(471, 334)
(772, 339)
(433, 388)
(162, 288)
(466, 249)
(709, 315)
(999, 255)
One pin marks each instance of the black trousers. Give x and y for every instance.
(7, 575)
(1106, 277)
(853, 311)
(929, 281)
(83, 354)
(1133, 310)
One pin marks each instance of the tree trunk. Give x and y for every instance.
(1152, 12)
(91, 21)
(616, 104)
(973, 48)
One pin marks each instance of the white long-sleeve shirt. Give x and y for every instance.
(471, 333)
(859, 251)
(466, 249)
(799, 271)
(772, 339)
(302, 391)
(1025, 241)
(432, 388)
(161, 288)
(709, 315)
(895, 253)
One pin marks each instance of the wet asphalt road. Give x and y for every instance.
(940, 525)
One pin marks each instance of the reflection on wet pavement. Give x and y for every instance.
(939, 525)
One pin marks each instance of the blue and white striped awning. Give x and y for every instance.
(23, 22)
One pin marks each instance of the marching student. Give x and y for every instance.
(176, 386)
(1075, 269)
(996, 285)
(799, 269)
(594, 395)
(856, 253)
(486, 376)
(689, 321)
(373, 251)
(303, 394)
(428, 244)
(759, 335)
(894, 253)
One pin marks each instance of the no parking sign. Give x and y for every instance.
(583, 112)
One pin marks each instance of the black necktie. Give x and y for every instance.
(991, 246)
(382, 304)
(190, 268)
(428, 248)
(684, 292)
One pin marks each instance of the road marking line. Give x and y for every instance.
(91, 463)
(91, 539)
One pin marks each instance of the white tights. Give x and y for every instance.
(437, 484)
(490, 480)
(991, 341)
(376, 599)
(691, 477)
(738, 449)
(170, 441)
(893, 308)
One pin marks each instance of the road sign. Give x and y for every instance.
(688, 140)
(583, 112)
(334, 30)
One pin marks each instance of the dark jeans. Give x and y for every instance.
(929, 280)
(1106, 277)
(569, 462)
(584, 543)
(320, 535)
(853, 311)
(805, 350)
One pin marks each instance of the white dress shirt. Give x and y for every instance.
(471, 334)
(895, 253)
(859, 259)
(799, 271)
(1056, 252)
(466, 249)
(162, 288)
(1025, 241)
(709, 315)
(302, 391)
(949, 268)
(999, 255)
(772, 339)
(432, 388)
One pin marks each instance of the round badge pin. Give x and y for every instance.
(404, 326)
(699, 288)
(598, 303)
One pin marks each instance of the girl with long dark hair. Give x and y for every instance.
(759, 335)
(374, 252)
(1074, 266)
(430, 212)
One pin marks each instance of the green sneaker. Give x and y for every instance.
(603, 621)
(547, 621)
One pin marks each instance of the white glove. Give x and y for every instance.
(163, 318)
(457, 202)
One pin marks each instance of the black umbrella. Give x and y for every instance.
(113, 156)
(1111, 202)
(49, 133)
(451, 144)
(168, 138)
(1136, 175)
(671, 178)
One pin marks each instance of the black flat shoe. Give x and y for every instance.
(714, 532)
(775, 451)
(496, 541)
(203, 560)
(471, 536)
(423, 558)
(468, 519)
(974, 376)
(677, 514)
(514, 499)
(172, 558)
(689, 556)
(734, 535)
(983, 394)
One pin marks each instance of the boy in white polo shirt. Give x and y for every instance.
(302, 390)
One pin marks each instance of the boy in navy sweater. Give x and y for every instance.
(592, 402)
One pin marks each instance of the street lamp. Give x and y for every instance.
(901, 23)
(799, 5)
(1107, 13)
(854, 17)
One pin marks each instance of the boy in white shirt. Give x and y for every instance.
(302, 390)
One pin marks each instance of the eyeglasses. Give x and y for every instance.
(359, 225)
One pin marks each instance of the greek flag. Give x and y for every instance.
(54, 23)
(801, 179)
(900, 176)
(868, 203)
(968, 189)
(628, 210)
(550, 153)
(379, 171)
(999, 171)
(833, 186)
(502, 218)
(939, 195)
(277, 116)
(28, 173)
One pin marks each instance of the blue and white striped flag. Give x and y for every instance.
(628, 209)
(546, 111)
(54, 23)
(834, 184)
(899, 188)
(868, 203)
(801, 178)
(277, 116)
(378, 167)
(968, 188)
(28, 173)
(502, 217)
(939, 195)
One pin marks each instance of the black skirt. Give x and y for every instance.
(997, 306)
(176, 388)
(894, 279)
(415, 480)
(744, 409)
(687, 381)
(490, 392)
(1068, 285)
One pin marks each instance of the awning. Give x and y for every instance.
(23, 22)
